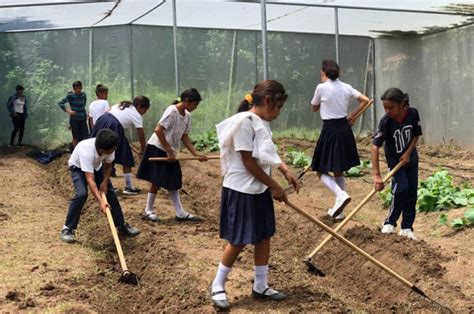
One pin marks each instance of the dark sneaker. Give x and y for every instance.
(150, 217)
(116, 190)
(11, 145)
(67, 235)
(267, 295)
(131, 191)
(128, 231)
(20, 145)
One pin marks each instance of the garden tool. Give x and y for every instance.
(368, 257)
(309, 259)
(127, 276)
(181, 158)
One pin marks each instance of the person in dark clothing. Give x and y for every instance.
(400, 129)
(18, 110)
(77, 112)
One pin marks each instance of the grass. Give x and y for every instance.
(299, 133)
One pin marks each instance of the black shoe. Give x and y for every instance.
(220, 304)
(20, 145)
(277, 296)
(67, 235)
(128, 231)
(11, 145)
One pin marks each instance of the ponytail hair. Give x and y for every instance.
(124, 104)
(190, 94)
(396, 95)
(331, 69)
(271, 88)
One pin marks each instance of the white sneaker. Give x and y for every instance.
(341, 216)
(388, 228)
(407, 233)
(341, 201)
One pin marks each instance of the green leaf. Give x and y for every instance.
(443, 219)
(469, 215)
(462, 201)
(457, 223)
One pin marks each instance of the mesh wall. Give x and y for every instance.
(437, 71)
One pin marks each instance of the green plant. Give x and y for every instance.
(459, 222)
(207, 141)
(437, 193)
(358, 171)
(386, 196)
(297, 158)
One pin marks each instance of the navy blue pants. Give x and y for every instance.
(79, 199)
(18, 125)
(404, 190)
(79, 129)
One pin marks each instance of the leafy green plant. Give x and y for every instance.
(459, 222)
(297, 158)
(359, 171)
(437, 193)
(207, 141)
(386, 196)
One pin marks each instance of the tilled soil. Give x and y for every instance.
(176, 261)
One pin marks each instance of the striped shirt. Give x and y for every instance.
(77, 102)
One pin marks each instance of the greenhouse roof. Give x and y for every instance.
(360, 18)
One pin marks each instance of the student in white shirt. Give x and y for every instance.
(99, 106)
(91, 165)
(125, 115)
(173, 128)
(247, 211)
(336, 150)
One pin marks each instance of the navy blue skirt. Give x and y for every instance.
(336, 150)
(163, 174)
(246, 218)
(123, 153)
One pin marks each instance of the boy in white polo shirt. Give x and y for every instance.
(99, 106)
(86, 169)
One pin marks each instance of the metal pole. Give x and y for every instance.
(130, 57)
(175, 49)
(90, 58)
(374, 109)
(264, 38)
(336, 29)
(232, 72)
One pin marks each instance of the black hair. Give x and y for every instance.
(271, 88)
(396, 95)
(101, 88)
(190, 94)
(19, 88)
(139, 101)
(331, 69)
(106, 139)
(76, 83)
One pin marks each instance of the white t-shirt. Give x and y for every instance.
(97, 108)
(19, 105)
(175, 126)
(128, 117)
(237, 177)
(86, 157)
(334, 97)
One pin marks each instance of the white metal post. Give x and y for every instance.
(263, 8)
(175, 49)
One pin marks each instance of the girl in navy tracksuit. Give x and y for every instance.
(400, 129)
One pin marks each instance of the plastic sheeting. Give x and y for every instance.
(437, 71)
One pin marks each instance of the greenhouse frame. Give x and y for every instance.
(223, 48)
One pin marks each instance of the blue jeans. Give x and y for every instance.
(404, 190)
(79, 199)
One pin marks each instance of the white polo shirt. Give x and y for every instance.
(333, 97)
(97, 108)
(128, 117)
(175, 126)
(86, 157)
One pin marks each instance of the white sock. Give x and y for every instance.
(150, 200)
(128, 180)
(331, 184)
(341, 182)
(180, 212)
(219, 282)
(260, 282)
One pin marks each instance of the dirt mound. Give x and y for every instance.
(176, 261)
